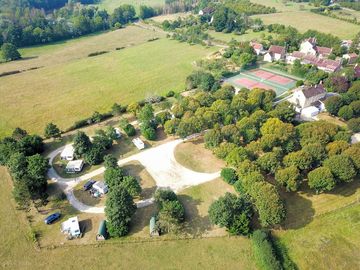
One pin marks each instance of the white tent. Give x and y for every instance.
(101, 187)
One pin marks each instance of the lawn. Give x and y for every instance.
(304, 20)
(17, 251)
(68, 92)
(332, 119)
(194, 156)
(281, 7)
(74, 49)
(226, 37)
(347, 14)
(110, 5)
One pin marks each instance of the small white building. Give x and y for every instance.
(74, 166)
(71, 227)
(67, 153)
(306, 96)
(138, 143)
(257, 47)
(101, 187)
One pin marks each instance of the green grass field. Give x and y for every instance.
(18, 252)
(281, 7)
(110, 5)
(304, 20)
(67, 92)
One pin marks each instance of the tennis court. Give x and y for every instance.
(259, 78)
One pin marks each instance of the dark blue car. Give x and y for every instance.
(88, 185)
(53, 217)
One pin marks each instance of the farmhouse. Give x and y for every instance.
(275, 53)
(138, 143)
(308, 46)
(324, 64)
(67, 153)
(258, 47)
(100, 187)
(309, 95)
(74, 166)
(71, 227)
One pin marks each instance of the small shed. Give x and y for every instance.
(153, 230)
(67, 153)
(74, 166)
(102, 231)
(101, 187)
(138, 143)
(71, 227)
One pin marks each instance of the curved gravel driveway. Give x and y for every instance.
(159, 162)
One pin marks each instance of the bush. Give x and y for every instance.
(97, 53)
(129, 130)
(264, 252)
(229, 175)
(170, 93)
(354, 124)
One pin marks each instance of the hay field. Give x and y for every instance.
(303, 21)
(67, 92)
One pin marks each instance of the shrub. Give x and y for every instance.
(354, 124)
(97, 53)
(263, 252)
(129, 130)
(229, 175)
(170, 93)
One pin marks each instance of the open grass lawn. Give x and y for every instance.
(305, 20)
(169, 17)
(226, 37)
(193, 155)
(196, 201)
(68, 92)
(280, 6)
(74, 49)
(347, 14)
(332, 119)
(18, 252)
(110, 5)
(148, 184)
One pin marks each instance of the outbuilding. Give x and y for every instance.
(153, 230)
(101, 187)
(74, 166)
(71, 227)
(67, 153)
(138, 143)
(102, 231)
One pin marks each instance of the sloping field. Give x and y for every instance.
(110, 5)
(304, 20)
(67, 92)
(17, 252)
(74, 49)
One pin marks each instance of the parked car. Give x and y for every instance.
(88, 185)
(118, 133)
(53, 217)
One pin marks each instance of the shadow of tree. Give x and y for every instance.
(195, 224)
(299, 210)
(141, 219)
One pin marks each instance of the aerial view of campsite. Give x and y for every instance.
(180, 134)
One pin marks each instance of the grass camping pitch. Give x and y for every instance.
(258, 78)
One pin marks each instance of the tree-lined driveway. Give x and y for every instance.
(159, 161)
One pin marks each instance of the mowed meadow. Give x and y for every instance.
(71, 86)
(299, 16)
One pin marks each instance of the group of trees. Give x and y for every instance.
(93, 151)
(257, 139)
(347, 104)
(171, 212)
(21, 154)
(120, 206)
(26, 25)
